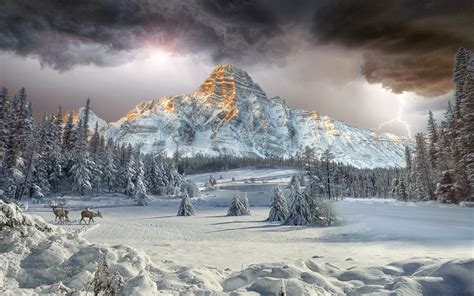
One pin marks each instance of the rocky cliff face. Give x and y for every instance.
(230, 114)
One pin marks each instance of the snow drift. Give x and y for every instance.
(39, 258)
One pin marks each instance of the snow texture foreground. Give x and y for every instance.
(38, 258)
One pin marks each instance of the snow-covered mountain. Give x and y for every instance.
(93, 120)
(231, 114)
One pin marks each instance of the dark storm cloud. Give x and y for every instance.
(408, 44)
(105, 32)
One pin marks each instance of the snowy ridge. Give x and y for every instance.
(93, 119)
(229, 114)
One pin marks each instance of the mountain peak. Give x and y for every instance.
(225, 84)
(228, 69)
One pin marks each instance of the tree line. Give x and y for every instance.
(440, 166)
(58, 154)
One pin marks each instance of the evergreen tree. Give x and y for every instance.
(467, 130)
(408, 160)
(322, 213)
(237, 208)
(327, 169)
(68, 137)
(95, 139)
(4, 112)
(423, 169)
(82, 172)
(300, 212)
(109, 169)
(83, 169)
(433, 140)
(185, 208)
(279, 207)
(130, 176)
(400, 190)
(86, 115)
(140, 194)
(17, 139)
(448, 115)
(446, 190)
(245, 202)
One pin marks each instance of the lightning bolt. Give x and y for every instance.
(398, 119)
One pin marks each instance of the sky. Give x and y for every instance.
(362, 61)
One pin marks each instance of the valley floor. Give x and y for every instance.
(375, 233)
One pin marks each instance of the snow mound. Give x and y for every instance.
(310, 277)
(41, 259)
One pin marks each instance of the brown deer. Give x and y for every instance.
(89, 214)
(61, 213)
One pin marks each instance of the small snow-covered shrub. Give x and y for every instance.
(104, 283)
(140, 195)
(186, 207)
(323, 214)
(209, 186)
(11, 216)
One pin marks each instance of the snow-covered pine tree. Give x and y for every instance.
(17, 137)
(83, 168)
(85, 120)
(422, 168)
(448, 115)
(109, 171)
(322, 213)
(457, 128)
(327, 171)
(82, 172)
(5, 110)
(4, 105)
(294, 179)
(315, 187)
(185, 208)
(467, 128)
(130, 175)
(94, 142)
(162, 182)
(299, 212)
(236, 207)
(140, 194)
(68, 134)
(446, 191)
(433, 141)
(279, 207)
(245, 202)
(408, 159)
(400, 190)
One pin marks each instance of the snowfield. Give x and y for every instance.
(384, 247)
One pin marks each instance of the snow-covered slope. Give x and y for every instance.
(231, 114)
(93, 119)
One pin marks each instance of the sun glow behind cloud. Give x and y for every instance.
(159, 57)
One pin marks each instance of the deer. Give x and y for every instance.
(89, 214)
(61, 213)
